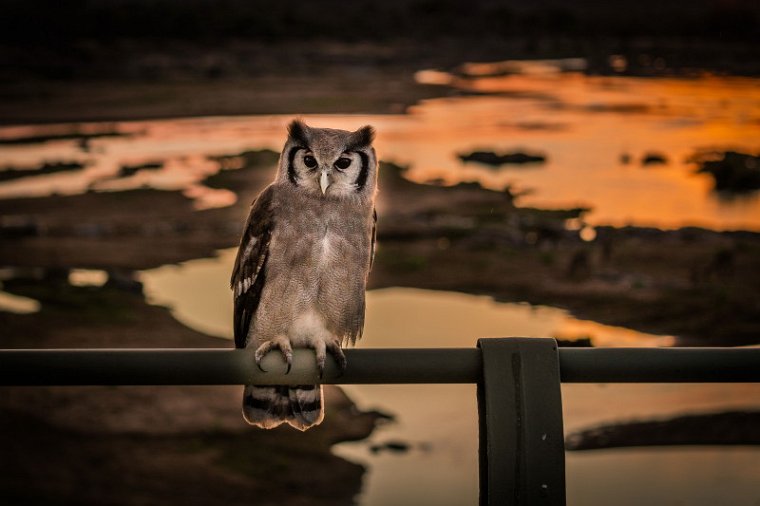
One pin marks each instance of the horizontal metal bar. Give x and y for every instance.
(659, 365)
(365, 366)
(227, 367)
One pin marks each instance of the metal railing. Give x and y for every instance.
(519, 400)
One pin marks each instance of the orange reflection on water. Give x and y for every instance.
(587, 126)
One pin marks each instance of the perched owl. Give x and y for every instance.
(302, 266)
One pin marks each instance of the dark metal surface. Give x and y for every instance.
(522, 454)
(440, 365)
(660, 365)
(519, 401)
(221, 367)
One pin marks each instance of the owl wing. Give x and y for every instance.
(248, 275)
(355, 332)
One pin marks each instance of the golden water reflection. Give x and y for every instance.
(198, 294)
(13, 303)
(594, 130)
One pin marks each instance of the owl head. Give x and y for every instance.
(328, 163)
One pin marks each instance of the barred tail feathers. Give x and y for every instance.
(306, 404)
(270, 406)
(266, 406)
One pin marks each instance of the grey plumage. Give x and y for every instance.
(303, 261)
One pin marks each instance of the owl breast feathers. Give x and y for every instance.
(302, 265)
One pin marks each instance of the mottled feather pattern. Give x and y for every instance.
(302, 266)
(318, 267)
(248, 274)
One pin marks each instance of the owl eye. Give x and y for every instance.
(342, 163)
(310, 161)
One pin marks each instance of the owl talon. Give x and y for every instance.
(321, 356)
(337, 353)
(259, 354)
(289, 360)
(281, 343)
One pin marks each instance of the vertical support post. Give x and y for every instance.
(522, 451)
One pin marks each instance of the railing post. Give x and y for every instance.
(522, 454)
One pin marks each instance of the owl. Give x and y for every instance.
(302, 265)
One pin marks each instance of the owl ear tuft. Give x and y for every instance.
(297, 131)
(363, 137)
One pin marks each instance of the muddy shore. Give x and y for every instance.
(131, 79)
(696, 284)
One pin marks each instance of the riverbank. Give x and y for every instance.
(130, 79)
(696, 284)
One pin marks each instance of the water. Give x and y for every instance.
(439, 422)
(17, 304)
(584, 125)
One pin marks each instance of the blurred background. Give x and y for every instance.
(584, 171)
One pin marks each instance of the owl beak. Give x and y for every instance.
(323, 181)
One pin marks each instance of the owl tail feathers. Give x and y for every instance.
(270, 406)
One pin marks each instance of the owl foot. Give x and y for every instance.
(321, 349)
(280, 342)
(337, 352)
